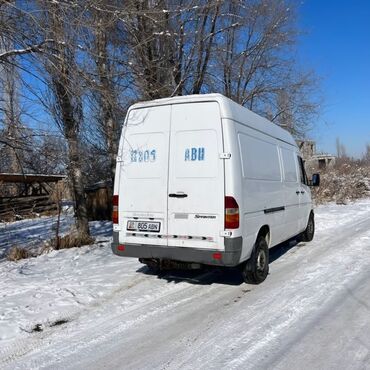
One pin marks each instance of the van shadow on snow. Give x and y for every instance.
(209, 275)
(279, 250)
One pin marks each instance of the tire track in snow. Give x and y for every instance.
(107, 328)
(294, 300)
(23, 346)
(284, 282)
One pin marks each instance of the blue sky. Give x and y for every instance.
(336, 44)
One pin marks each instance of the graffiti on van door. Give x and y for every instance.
(194, 154)
(143, 155)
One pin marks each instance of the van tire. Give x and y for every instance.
(153, 266)
(309, 233)
(256, 269)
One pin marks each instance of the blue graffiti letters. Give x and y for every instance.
(149, 155)
(195, 154)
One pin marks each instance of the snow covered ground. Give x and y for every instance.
(32, 233)
(86, 308)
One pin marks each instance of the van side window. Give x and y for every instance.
(260, 158)
(289, 165)
(302, 171)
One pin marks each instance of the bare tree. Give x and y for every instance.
(66, 95)
(242, 49)
(341, 149)
(296, 106)
(171, 44)
(105, 44)
(107, 91)
(151, 47)
(249, 53)
(92, 58)
(366, 157)
(9, 102)
(10, 122)
(47, 155)
(254, 55)
(19, 26)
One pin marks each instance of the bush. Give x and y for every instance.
(16, 253)
(72, 240)
(348, 180)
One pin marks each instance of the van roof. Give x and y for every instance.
(229, 110)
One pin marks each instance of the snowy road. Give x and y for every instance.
(100, 311)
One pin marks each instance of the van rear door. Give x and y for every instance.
(196, 177)
(143, 176)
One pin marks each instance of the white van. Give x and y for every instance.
(201, 179)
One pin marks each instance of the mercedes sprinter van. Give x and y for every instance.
(201, 179)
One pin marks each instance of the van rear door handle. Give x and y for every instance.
(177, 195)
(297, 192)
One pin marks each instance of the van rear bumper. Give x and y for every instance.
(229, 257)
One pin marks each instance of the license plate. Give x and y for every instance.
(153, 227)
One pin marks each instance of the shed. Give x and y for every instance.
(25, 194)
(99, 201)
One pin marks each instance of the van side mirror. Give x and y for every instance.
(315, 180)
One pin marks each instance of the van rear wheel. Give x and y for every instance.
(309, 233)
(152, 264)
(256, 269)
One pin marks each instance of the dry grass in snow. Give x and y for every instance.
(347, 181)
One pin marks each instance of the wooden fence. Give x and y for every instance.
(29, 194)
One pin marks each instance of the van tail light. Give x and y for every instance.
(217, 256)
(115, 209)
(231, 213)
